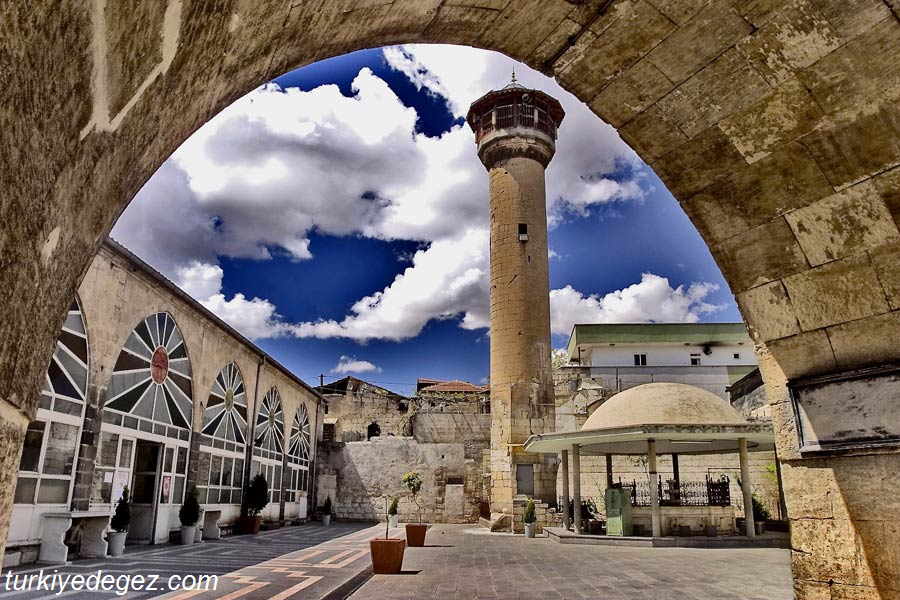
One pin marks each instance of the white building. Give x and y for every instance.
(707, 355)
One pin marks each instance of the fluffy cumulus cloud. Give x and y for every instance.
(281, 163)
(653, 300)
(349, 364)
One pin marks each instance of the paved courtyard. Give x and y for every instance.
(314, 562)
(459, 563)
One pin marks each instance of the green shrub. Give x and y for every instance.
(392, 509)
(326, 508)
(760, 512)
(189, 513)
(530, 517)
(257, 495)
(122, 518)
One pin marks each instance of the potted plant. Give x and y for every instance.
(530, 519)
(761, 514)
(393, 519)
(119, 525)
(326, 512)
(189, 514)
(256, 497)
(415, 532)
(387, 553)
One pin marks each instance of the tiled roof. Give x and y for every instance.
(456, 386)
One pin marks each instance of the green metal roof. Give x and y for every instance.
(698, 334)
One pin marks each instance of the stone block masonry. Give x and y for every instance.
(359, 475)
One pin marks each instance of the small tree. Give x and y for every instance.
(392, 509)
(530, 517)
(326, 508)
(257, 495)
(122, 518)
(189, 513)
(413, 482)
(760, 512)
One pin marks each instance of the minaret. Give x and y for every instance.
(515, 129)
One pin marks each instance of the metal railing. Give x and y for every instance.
(711, 492)
(516, 114)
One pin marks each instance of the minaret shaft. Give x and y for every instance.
(516, 134)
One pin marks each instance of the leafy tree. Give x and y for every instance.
(413, 482)
(392, 509)
(326, 508)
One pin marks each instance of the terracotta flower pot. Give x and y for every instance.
(387, 555)
(249, 524)
(415, 534)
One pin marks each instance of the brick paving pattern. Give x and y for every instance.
(329, 556)
(463, 564)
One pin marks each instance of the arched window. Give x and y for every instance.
(151, 382)
(220, 473)
(49, 451)
(298, 454)
(225, 415)
(268, 443)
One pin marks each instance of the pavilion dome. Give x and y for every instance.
(663, 404)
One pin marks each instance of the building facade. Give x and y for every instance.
(607, 359)
(148, 390)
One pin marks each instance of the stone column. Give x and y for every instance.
(13, 423)
(576, 487)
(564, 460)
(654, 490)
(746, 487)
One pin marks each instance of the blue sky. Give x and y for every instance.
(346, 225)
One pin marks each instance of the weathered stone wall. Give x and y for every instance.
(358, 476)
(355, 412)
(471, 429)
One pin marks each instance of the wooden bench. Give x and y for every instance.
(53, 541)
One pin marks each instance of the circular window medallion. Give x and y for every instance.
(159, 365)
(229, 400)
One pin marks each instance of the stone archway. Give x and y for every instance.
(775, 124)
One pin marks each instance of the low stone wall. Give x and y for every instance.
(546, 516)
(448, 428)
(358, 475)
(697, 517)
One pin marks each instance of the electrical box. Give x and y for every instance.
(618, 511)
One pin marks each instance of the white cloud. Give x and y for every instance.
(349, 364)
(653, 300)
(447, 280)
(278, 164)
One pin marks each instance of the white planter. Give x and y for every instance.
(188, 533)
(198, 537)
(116, 540)
(326, 520)
(530, 529)
(394, 520)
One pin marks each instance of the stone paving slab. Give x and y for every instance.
(459, 562)
(310, 558)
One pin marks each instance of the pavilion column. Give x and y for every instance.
(609, 470)
(576, 487)
(746, 488)
(564, 460)
(654, 490)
